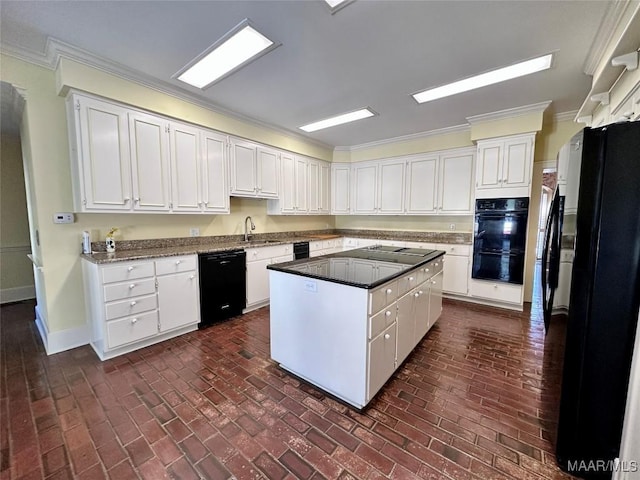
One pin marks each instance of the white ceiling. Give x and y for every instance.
(370, 53)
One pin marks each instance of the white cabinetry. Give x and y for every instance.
(215, 180)
(340, 187)
(378, 187)
(131, 305)
(504, 167)
(440, 183)
(254, 170)
(569, 163)
(456, 268)
(504, 294)
(563, 292)
(257, 274)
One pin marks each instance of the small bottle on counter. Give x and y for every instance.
(86, 242)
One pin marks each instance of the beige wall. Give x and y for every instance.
(463, 223)
(15, 267)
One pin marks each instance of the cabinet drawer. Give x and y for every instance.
(127, 271)
(382, 320)
(502, 292)
(407, 281)
(464, 250)
(383, 296)
(132, 329)
(425, 246)
(118, 291)
(315, 245)
(131, 307)
(262, 253)
(175, 265)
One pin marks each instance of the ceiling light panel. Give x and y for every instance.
(335, 5)
(339, 120)
(237, 48)
(489, 78)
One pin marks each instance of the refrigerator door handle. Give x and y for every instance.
(549, 250)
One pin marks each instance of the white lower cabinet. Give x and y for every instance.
(131, 305)
(506, 294)
(435, 297)
(406, 323)
(257, 274)
(456, 268)
(381, 359)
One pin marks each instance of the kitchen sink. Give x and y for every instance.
(262, 242)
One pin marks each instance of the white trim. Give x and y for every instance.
(17, 294)
(565, 116)
(604, 36)
(509, 113)
(60, 341)
(405, 138)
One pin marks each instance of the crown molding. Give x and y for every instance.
(565, 116)
(605, 35)
(56, 49)
(404, 138)
(509, 113)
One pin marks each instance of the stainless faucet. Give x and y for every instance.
(246, 230)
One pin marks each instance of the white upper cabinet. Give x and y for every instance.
(301, 184)
(268, 171)
(149, 161)
(504, 167)
(391, 187)
(340, 186)
(422, 185)
(99, 142)
(455, 188)
(215, 181)
(186, 195)
(313, 193)
(324, 185)
(254, 170)
(364, 188)
(378, 187)
(304, 187)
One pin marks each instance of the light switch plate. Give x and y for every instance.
(63, 217)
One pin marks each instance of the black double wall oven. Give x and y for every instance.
(499, 239)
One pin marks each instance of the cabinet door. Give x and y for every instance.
(391, 196)
(516, 165)
(313, 193)
(185, 165)
(382, 353)
(149, 161)
(406, 336)
(103, 155)
(363, 271)
(456, 275)
(302, 179)
(422, 185)
(325, 187)
(456, 184)
(435, 298)
(178, 301)
(365, 179)
(257, 281)
(268, 173)
(243, 169)
(215, 184)
(573, 177)
(288, 192)
(421, 310)
(489, 168)
(340, 183)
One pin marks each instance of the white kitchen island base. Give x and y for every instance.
(348, 340)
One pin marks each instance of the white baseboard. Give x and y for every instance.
(16, 294)
(56, 342)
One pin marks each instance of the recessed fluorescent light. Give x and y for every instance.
(237, 48)
(339, 120)
(335, 5)
(484, 79)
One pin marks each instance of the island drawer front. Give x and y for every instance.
(383, 296)
(127, 271)
(381, 361)
(262, 253)
(131, 307)
(132, 329)
(381, 320)
(175, 265)
(462, 250)
(502, 292)
(407, 281)
(136, 288)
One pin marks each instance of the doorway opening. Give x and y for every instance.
(549, 181)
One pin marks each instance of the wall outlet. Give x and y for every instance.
(63, 217)
(452, 226)
(194, 232)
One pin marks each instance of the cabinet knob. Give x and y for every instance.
(433, 281)
(420, 292)
(416, 294)
(133, 321)
(387, 313)
(495, 285)
(426, 269)
(437, 264)
(126, 200)
(130, 268)
(387, 336)
(132, 286)
(192, 277)
(133, 303)
(177, 262)
(389, 291)
(137, 200)
(411, 279)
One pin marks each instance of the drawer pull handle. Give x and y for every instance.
(389, 291)
(133, 321)
(387, 336)
(224, 306)
(132, 286)
(387, 313)
(133, 303)
(130, 268)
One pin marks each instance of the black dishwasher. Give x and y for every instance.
(222, 285)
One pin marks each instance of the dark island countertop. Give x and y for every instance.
(340, 267)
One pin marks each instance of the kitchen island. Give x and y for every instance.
(346, 321)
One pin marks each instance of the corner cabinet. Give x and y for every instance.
(131, 305)
(127, 160)
(505, 166)
(254, 170)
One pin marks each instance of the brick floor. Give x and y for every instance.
(476, 400)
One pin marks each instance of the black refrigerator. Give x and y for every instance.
(604, 302)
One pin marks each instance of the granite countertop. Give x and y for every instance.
(335, 267)
(127, 250)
